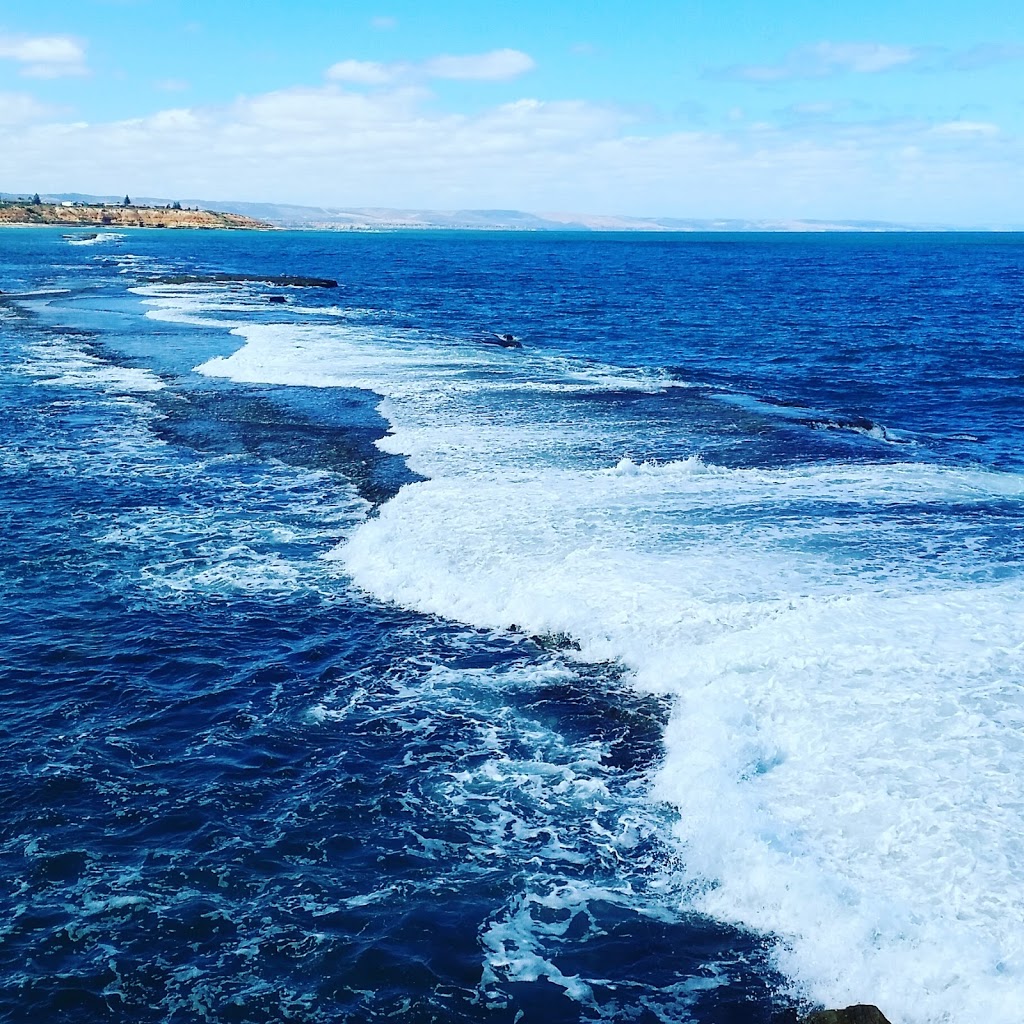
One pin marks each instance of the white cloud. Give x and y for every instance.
(823, 59)
(384, 23)
(498, 65)
(180, 119)
(44, 56)
(493, 66)
(962, 129)
(983, 56)
(20, 108)
(363, 72)
(862, 58)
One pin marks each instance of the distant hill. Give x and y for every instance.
(285, 215)
(376, 218)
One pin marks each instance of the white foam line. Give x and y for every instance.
(845, 753)
(62, 360)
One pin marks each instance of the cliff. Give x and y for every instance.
(123, 216)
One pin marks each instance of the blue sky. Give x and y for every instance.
(900, 111)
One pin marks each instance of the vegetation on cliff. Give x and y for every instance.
(122, 215)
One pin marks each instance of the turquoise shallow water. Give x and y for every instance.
(665, 668)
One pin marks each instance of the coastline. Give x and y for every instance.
(112, 216)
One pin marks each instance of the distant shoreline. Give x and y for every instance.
(81, 215)
(291, 216)
(149, 213)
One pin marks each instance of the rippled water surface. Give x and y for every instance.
(665, 668)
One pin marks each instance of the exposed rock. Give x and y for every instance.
(498, 340)
(862, 1013)
(556, 642)
(279, 280)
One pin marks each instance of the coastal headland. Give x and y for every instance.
(124, 216)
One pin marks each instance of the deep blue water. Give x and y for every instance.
(355, 668)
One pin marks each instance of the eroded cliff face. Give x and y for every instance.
(123, 216)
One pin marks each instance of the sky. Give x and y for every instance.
(885, 110)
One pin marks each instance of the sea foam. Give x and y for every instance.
(842, 643)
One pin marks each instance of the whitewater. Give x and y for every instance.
(357, 666)
(842, 644)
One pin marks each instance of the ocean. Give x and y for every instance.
(664, 668)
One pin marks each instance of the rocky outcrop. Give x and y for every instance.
(123, 217)
(279, 280)
(862, 1013)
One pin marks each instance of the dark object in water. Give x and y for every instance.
(556, 642)
(276, 298)
(506, 341)
(862, 1013)
(278, 280)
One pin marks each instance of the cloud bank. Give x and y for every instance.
(44, 56)
(374, 134)
(331, 145)
(18, 109)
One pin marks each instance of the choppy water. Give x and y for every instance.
(667, 668)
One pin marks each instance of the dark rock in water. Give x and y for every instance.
(556, 642)
(276, 298)
(857, 423)
(503, 341)
(862, 1013)
(279, 280)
